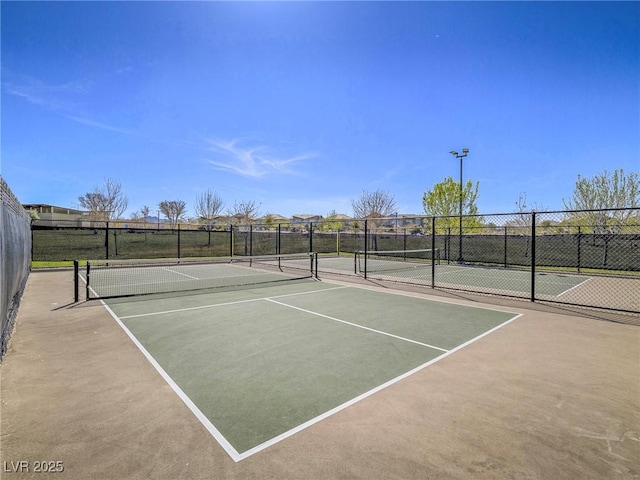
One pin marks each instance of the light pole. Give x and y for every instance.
(465, 152)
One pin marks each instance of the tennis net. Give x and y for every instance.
(120, 278)
(394, 261)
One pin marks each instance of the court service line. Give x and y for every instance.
(213, 305)
(356, 325)
(180, 273)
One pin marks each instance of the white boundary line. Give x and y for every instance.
(575, 286)
(355, 325)
(420, 296)
(355, 400)
(233, 453)
(213, 305)
(224, 443)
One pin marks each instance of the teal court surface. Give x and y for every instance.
(258, 364)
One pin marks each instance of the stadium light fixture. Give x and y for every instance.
(465, 152)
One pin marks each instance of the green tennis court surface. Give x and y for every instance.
(259, 364)
(508, 281)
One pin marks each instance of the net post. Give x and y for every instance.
(278, 238)
(533, 256)
(250, 239)
(315, 259)
(88, 275)
(311, 236)
(76, 282)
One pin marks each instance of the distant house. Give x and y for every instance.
(54, 216)
(303, 220)
(275, 218)
(409, 220)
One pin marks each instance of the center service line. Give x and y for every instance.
(356, 325)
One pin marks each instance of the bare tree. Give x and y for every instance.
(208, 206)
(174, 210)
(106, 202)
(144, 211)
(374, 204)
(243, 212)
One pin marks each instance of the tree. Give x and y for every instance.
(33, 215)
(601, 202)
(332, 223)
(208, 207)
(444, 201)
(374, 206)
(615, 190)
(106, 202)
(269, 222)
(174, 210)
(243, 212)
(144, 211)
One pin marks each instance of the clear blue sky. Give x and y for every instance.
(300, 106)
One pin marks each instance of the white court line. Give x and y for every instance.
(575, 286)
(422, 296)
(231, 451)
(213, 305)
(180, 273)
(356, 325)
(355, 400)
(224, 443)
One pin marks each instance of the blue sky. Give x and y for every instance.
(300, 106)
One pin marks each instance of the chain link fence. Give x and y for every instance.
(15, 246)
(586, 258)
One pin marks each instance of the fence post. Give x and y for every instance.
(278, 239)
(178, 240)
(579, 246)
(533, 256)
(433, 252)
(310, 237)
(505, 247)
(366, 247)
(106, 242)
(230, 240)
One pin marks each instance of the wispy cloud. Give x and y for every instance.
(64, 100)
(253, 161)
(59, 97)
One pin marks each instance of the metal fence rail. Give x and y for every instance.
(586, 258)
